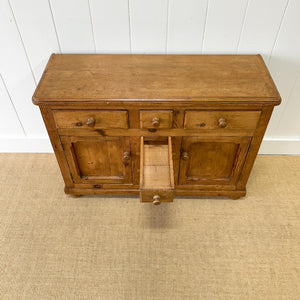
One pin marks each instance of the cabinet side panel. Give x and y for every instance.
(253, 150)
(56, 144)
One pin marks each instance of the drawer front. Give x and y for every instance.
(157, 196)
(156, 118)
(222, 120)
(91, 118)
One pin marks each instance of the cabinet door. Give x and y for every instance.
(98, 159)
(212, 161)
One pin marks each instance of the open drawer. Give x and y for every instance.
(157, 175)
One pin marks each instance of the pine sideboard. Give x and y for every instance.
(157, 126)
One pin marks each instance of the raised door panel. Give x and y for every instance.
(100, 160)
(212, 161)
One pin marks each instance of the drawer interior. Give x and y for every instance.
(157, 175)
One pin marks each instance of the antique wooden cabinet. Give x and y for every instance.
(156, 125)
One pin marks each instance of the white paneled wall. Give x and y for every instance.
(17, 74)
(149, 20)
(112, 15)
(36, 31)
(33, 29)
(73, 25)
(186, 25)
(224, 23)
(258, 33)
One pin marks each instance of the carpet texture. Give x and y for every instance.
(56, 247)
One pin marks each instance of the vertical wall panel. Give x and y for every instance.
(261, 25)
(111, 25)
(290, 120)
(17, 74)
(186, 25)
(37, 31)
(285, 69)
(223, 25)
(149, 25)
(9, 123)
(73, 24)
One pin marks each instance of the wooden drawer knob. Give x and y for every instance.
(90, 122)
(126, 158)
(222, 123)
(155, 122)
(185, 156)
(156, 200)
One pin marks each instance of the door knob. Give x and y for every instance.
(185, 156)
(126, 158)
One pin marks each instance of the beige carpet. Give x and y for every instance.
(53, 246)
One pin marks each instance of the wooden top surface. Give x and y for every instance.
(92, 77)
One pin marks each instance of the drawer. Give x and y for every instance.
(222, 120)
(157, 196)
(91, 118)
(156, 174)
(156, 118)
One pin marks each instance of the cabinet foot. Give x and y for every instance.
(235, 197)
(75, 195)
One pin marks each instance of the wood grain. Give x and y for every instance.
(185, 77)
(56, 145)
(216, 161)
(98, 160)
(157, 171)
(156, 167)
(255, 144)
(163, 118)
(103, 118)
(243, 120)
(157, 132)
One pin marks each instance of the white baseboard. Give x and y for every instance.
(25, 145)
(286, 146)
